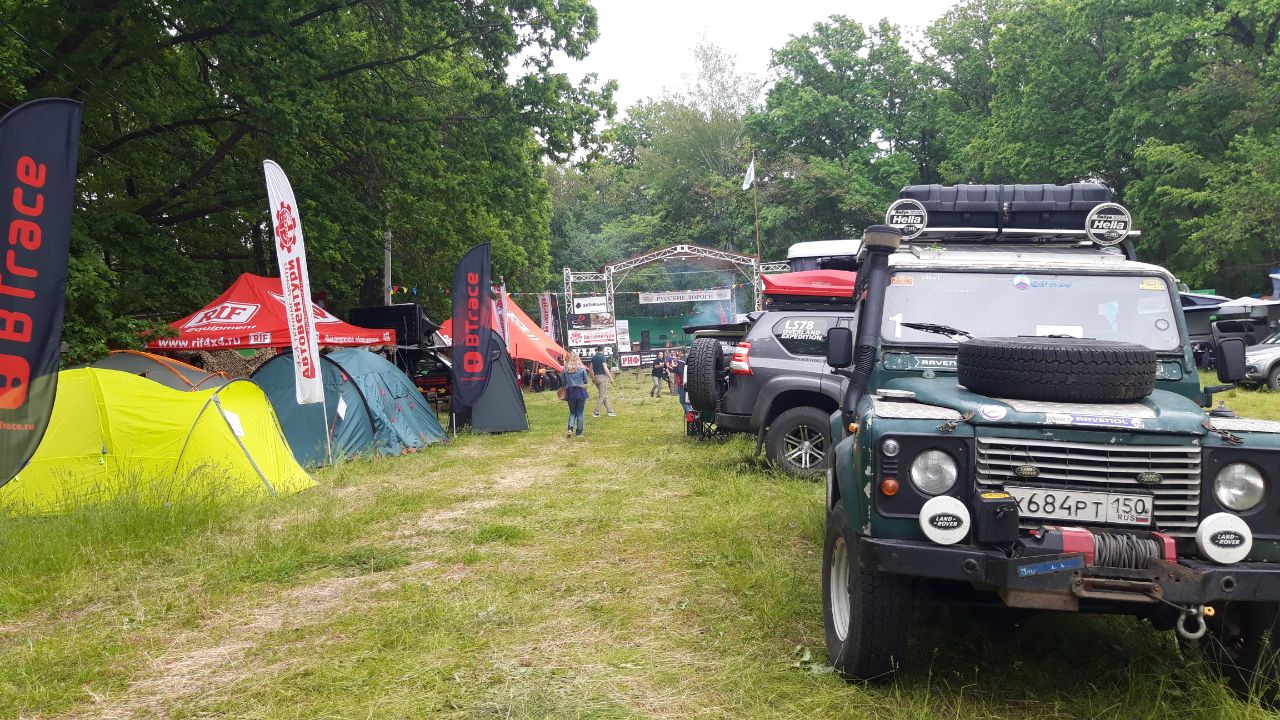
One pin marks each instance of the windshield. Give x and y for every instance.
(1272, 339)
(1103, 307)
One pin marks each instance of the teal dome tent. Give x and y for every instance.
(373, 407)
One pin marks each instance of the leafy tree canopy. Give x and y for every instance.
(388, 115)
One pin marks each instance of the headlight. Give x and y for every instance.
(1238, 486)
(933, 471)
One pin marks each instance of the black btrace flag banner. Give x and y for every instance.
(38, 144)
(472, 327)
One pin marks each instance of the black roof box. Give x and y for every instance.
(1023, 206)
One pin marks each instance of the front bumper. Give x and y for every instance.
(1062, 581)
(1253, 374)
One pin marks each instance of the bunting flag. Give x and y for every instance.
(291, 256)
(38, 146)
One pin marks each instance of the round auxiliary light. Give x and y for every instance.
(889, 487)
(1239, 487)
(890, 447)
(908, 216)
(934, 472)
(944, 520)
(1108, 224)
(1224, 538)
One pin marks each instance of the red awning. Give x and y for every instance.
(525, 338)
(251, 314)
(811, 283)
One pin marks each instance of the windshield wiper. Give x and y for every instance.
(936, 329)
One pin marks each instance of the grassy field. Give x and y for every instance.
(628, 574)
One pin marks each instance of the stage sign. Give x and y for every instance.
(590, 305)
(601, 336)
(652, 298)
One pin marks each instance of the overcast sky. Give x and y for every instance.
(646, 45)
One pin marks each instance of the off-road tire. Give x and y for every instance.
(1243, 644)
(873, 643)
(705, 381)
(798, 424)
(1056, 369)
(1273, 378)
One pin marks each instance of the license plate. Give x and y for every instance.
(1082, 506)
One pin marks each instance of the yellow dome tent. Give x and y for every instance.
(114, 433)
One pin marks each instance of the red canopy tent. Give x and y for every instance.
(251, 314)
(525, 338)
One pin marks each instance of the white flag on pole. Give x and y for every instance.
(750, 177)
(291, 255)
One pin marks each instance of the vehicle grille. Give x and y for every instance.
(1115, 468)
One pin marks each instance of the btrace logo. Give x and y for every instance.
(473, 359)
(24, 235)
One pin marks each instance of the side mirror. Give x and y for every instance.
(840, 348)
(1229, 355)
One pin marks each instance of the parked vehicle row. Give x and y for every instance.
(1014, 422)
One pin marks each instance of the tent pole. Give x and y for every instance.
(324, 418)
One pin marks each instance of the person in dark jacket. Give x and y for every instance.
(659, 375)
(575, 382)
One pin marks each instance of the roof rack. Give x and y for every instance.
(1027, 214)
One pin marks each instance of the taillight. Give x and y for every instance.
(741, 362)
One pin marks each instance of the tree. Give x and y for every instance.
(387, 116)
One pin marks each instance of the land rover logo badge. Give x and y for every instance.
(909, 216)
(1108, 224)
(946, 521)
(1227, 539)
(1150, 478)
(1027, 471)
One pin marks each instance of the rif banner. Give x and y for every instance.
(472, 327)
(38, 144)
(291, 255)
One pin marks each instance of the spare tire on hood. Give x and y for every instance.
(1057, 369)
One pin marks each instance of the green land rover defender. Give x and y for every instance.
(1024, 429)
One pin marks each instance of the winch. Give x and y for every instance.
(1129, 549)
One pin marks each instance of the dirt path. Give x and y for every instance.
(218, 656)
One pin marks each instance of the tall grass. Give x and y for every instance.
(630, 573)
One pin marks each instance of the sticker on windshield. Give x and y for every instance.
(1162, 324)
(1110, 311)
(1022, 282)
(901, 281)
(1151, 284)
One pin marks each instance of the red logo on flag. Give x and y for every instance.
(286, 224)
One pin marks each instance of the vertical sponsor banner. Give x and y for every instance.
(38, 144)
(472, 327)
(545, 318)
(291, 255)
(623, 328)
(500, 292)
